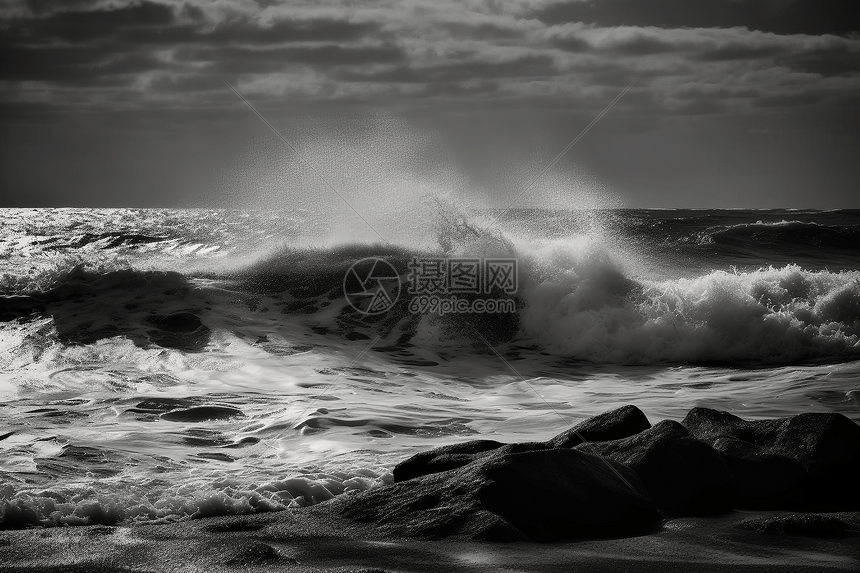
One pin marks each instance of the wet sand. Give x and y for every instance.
(312, 540)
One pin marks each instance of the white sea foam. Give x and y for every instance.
(580, 302)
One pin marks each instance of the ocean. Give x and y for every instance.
(166, 364)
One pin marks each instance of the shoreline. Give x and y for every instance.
(482, 505)
(315, 540)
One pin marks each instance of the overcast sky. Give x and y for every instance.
(737, 103)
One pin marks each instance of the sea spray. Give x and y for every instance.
(594, 312)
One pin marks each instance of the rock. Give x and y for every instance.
(458, 455)
(356, 336)
(616, 481)
(21, 306)
(442, 459)
(764, 481)
(177, 322)
(618, 423)
(151, 405)
(808, 461)
(536, 495)
(180, 330)
(613, 425)
(202, 414)
(682, 475)
(255, 553)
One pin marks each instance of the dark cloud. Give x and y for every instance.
(292, 30)
(459, 89)
(144, 13)
(244, 32)
(780, 17)
(482, 31)
(407, 54)
(579, 39)
(91, 25)
(19, 63)
(570, 44)
(701, 92)
(192, 12)
(236, 59)
(187, 83)
(71, 65)
(42, 7)
(701, 106)
(738, 51)
(67, 44)
(151, 23)
(450, 76)
(803, 98)
(644, 46)
(386, 74)
(146, 71)
(832, 61)
(529, 66)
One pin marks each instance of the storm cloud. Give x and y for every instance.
(740, 60)
(149, 48)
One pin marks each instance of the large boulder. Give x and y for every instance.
(807, 461)
(535, 495)
(619, 423)
(683, 475)
(764, 480)
(613, 425)
(443, 458)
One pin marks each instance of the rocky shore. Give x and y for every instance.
(616, 475)
(711, 493)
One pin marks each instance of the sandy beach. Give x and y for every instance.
(313, 540)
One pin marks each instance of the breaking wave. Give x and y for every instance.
(589, 309)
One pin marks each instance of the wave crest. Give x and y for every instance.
(771, 315)
(783, 234)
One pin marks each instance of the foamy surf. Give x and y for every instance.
(163, 365)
